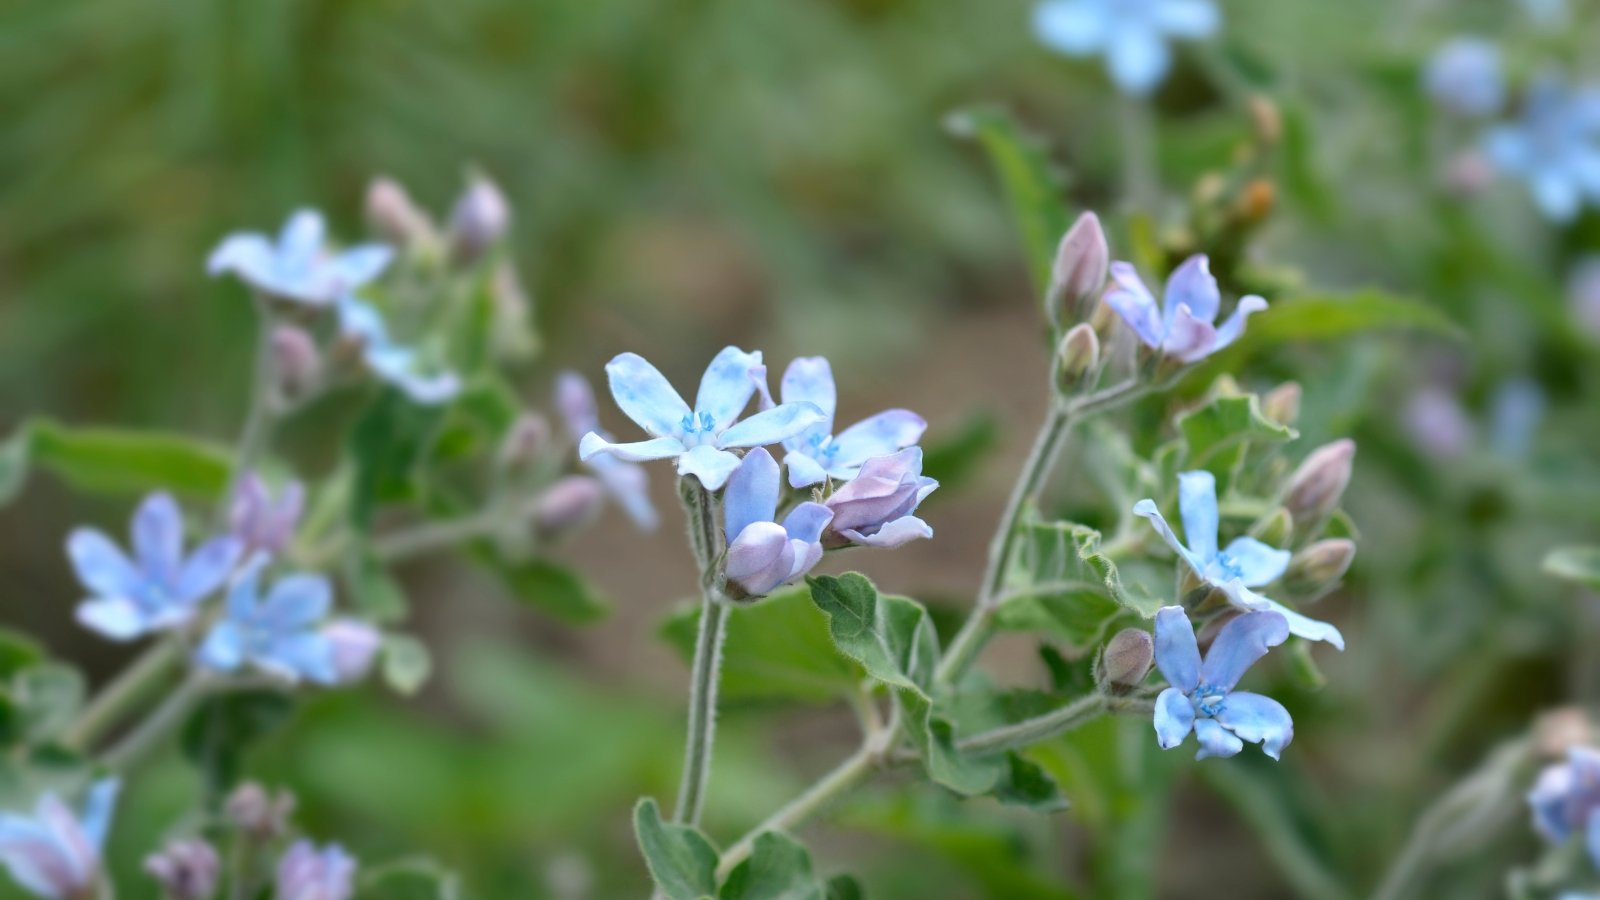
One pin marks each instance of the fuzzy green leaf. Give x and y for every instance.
(681, 860)
(112, 461)
(891, 637)
(779, 868)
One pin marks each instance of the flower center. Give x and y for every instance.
(697, 423)
(821, 447)
(1209, 700)
(1227, 567)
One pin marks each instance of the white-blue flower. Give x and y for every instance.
(1131, 34)
(763, 554)
(701, 438)
(1183, 325)
(279, 634)
(1555, 146)
(817, 454)
(1246, 562)
(401, 366)
(56, 853)
(1201, 697)
(1464, 77)
(297, 266)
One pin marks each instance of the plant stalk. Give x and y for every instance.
(705, 671)
(132, 685)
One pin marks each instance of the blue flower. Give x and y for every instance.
(1565, 800)
(1464, 77)
(875, 508)
(55, 853)
(626, 482)
(1246, 562)
(298, 267)
(700, 438)
(279, 634)
(763, 554)
(816, 454)
(401, 366)
(1555, 147)
(260, 521)
(157, 589)
(1201, 697)
(1182, 325)
(308, 873)
(1132, 34)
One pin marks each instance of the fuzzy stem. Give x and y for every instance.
(262, 417)
(435, 536)
(132, 685)
(156, 727)
(705, 671)
(1059, 721)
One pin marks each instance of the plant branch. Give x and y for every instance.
(133, 684)
(156, 727)
(705, 671)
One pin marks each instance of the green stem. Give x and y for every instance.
(1139, 178)
(435, 535)
(156, 727)
(128, 689)
(263, 415)
(705, 671)
(1059, 721)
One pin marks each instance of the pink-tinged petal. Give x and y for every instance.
(1131, 300)
(354, 646)
(1197, 506)
(1233, 327)
(1189, 339)
(1258, 564)
(1240, 643)
(1192, 285)
(1147, 508)
(117, 618)
(1257, 720)
(1174, 718)
(752, 494)
(879, 435)
(809, 379)
(806, 556)
(645, 395)
(75, 848)
(726, 388)
(760, 558)
(158, 537)
(891, 534)
(639, 451)
(772, 426)
(803, 470)
(1177, 653)
(710, 465)
(100, 565)
(629, 486)
(1215, 740)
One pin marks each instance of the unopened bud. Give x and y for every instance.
(1126, 659)
(568, 504)
(481, 217)
(355, 645)
(392, 216)
(1266, 119)
(186, 870)
(1274, 529)
(1316, 487)
(296, 364)
(1079, 354)
(259, 813)
(1561, 729)
(1317, 568)
(1256, 201)
(524, 441)
(1282, 403)
(1082, 261)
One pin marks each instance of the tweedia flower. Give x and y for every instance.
(816, 454)
(309, 873)
(278, 634)
(1131, 34)
(1201, 697)
(1464, 77)
(55, 853)
(261, 521)
(1182, 326)
(875, 508)
(1555, 146)
(298, 267)
(763, 554)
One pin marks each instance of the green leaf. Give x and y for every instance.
(406, 663)
(681, 860)
(112, 461)
(777, 648)
(388, 445)
(1302, 175)
(845, 887)
(1580, 564)
(891, 637)
(47, 697)
(1033, 186)
(1329, 316)
(411, 879)
(1023, 783)
(1060, 582)
(224, 727)
(778, 869)
(935, 738)
(546, 586)
(18, 651)
(1227, 422)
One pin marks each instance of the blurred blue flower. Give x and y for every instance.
(55, 853)
(260, 521)
(157, 589)
(1201, 697)
(1131, 34)
(1515, 412)
(298, 267)
(762, 554)
(308, 873)
(1555, 146)
(1546, 13)
(1181, 326)
(627, 483)
(1565, 799)
(279, 634)
(816, 454)
(1464, 77)
(700, 438)
(875, 508)
(1245, 563)
(361, 323)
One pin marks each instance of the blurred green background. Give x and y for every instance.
(777, 174)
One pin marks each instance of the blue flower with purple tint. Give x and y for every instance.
(56, 853)
(1201, 697)
(626, 483)
(307, 872)
(762, 554)
(1183, 324)
(875, 509)
(817, 454)
(361, 323)
(298, 266)
(279, 634)
(1566, 800)
(1131, 34)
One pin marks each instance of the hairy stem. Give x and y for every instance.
(431, 536)
(1059, 721)
(131, 686)
(705, 671)
(157, 726)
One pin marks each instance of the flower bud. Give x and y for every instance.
(1317, 568)
(1315, 488)
(1126, 659)
(392, 216)
(1437, 424)
(1562, 728)
(1274, 529)
(1282, 403)
(1256, 201)
(309, 873)
(258, 813)
(355, 645)
(186, 870)
(527, 437)
(567, 505)
(479, 221)
(1079, 354)
(1266, 119)
(1082, 261)
(261, 522)
(296, 364)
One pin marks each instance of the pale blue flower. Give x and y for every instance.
(308, 873)
(1464, 77)
(1555, 146)
(817, 454)
(1181, 326)
(362, 323)
(279, 634)
(1201, 697)
(159, 587)
(1131, 34)
(627, 483)
(700, 438)
(875, 508)
(762, 554)
(56, 853)
(1565, 799)
(298, 266)
(1246, 562)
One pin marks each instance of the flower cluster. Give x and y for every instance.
(1554, 146)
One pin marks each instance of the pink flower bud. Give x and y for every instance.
(1081, 263)
(355, 646)
(309, 873)
(479, 221)
(296, 363)
(527, 437)
(568, 504)
(260, 814)
(261, 522)
(186, 870)
(1316, 487)
(875, 508)
(392, 215)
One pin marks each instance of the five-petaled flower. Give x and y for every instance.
(627, 483)
(1244, 564)
(308, 873)
(762, 554)
(160, 587)
(278, 634)
(816, 454)
(298, 267)
(1201, 697)
(1555, 147)
(875, 508)
(55, 853)
(362, 324)
(1182, 325)
(700, 438)
(1132, 34)
(1566, 800)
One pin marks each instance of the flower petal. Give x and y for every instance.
(710, 465)
(249, 256)
(1215, 740)
(100, 565)
(891, 534)
(1177, 653)
(726, 388)
(645, 395)
(1257, 720)
(1258, 564)
(1174, 718)
(117, 618)
(207, 568)
(752, 494)
(1147, 508)
(759, 558)
(878, 435)
(771, 426)
(1131, 300)
(1073, 27)
(301, 239)
(158, 537)
(1233, 327)
(593, 445)
(97, 809)
(223, 648)
(1192, 285)
(1591, 838)
(806, 556)
(574, 400)
(803, 470)
(1137, 57)
(296, 601)
(359, 265)
(1189, 339)
(307, 655)
(629, 486)
(1197, 502)
(809, 379)
(1187, 18)
(807, 521)
(1300, 626)
(1241, 642)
